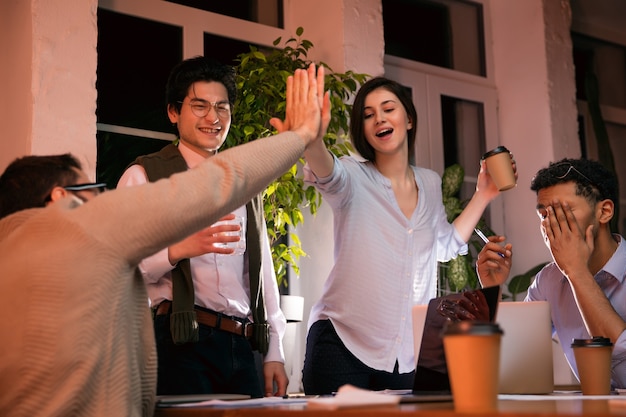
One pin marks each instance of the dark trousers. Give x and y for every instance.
(328, 365)
(219, 363)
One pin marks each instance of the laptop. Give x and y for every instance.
(526, 361)
(431, 374)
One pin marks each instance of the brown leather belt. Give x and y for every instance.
(212, 319)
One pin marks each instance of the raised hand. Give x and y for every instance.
(485, 183)
(305, 100)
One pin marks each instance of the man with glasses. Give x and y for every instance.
(76, 330)
(36, 181)
(200, 293)
(576, 200)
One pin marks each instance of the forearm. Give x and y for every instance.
(319, 159)
(154, 267)
(155, 215)
(470, 216)
(618, 362)
(599, 316)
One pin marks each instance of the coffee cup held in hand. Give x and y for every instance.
(472, 350)
(500, 167)
(593, 360)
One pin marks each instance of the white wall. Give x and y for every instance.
(537, 114)
(50, 86)
(15, 70)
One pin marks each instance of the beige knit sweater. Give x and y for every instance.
(76, 336)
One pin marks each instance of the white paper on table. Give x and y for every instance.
(253, 402)
(349, 396)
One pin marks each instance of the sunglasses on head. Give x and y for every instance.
(567, 169)
(99, 186)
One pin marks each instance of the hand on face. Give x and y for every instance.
(570, 245)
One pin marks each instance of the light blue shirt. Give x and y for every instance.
(551, 285)
(384, 262)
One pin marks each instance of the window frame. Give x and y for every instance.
(429, 83)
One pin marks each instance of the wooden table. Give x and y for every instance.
(510, 408)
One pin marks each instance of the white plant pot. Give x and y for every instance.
(293, 309)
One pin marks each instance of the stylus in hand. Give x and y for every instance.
(484, 238)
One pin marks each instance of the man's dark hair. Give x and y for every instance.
(592, 179)
(357, 117)
(197, 69)
(28, 181)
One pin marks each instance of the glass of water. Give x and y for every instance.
(238, 246)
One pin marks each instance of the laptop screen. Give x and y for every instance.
(431, 372)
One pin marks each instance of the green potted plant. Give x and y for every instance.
(460, 273)
(519, 283)
(261, 84)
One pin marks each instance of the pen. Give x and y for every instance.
(484, 238)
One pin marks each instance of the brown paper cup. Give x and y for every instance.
(593, 360)
(500, 168)
(472, 352)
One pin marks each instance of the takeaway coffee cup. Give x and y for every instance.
(472, 350)
(240, 245)
(593, 360)
(499, 166)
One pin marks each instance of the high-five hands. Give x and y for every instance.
(307, 110)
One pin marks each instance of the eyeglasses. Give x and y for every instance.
(99, 187)
(201, 108)
(570, 168)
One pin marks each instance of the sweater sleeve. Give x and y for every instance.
(139, 221)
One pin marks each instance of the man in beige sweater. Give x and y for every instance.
(76, 329)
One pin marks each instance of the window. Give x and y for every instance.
(606, 62)
(136, 52)
(444, 33)
(463, 136)
(134, 59)
(267, 12)
(445, 63)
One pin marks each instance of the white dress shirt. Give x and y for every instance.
(220, 281)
